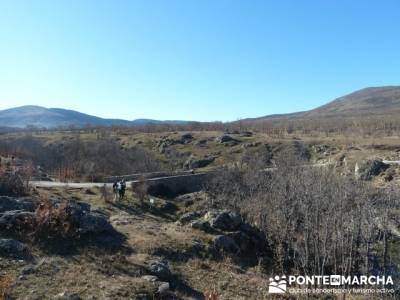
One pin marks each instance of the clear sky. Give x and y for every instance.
(194, 60)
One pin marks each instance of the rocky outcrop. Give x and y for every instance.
(226, 244)
(160, 268)
(86, 222)
(166, 141)
(227, 140)
(11, 203)
(223, 220)
(367, 169)
(94, 223)
(193, 163)
(234, 235)
(13, 249)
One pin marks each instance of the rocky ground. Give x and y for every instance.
(166, 249)
(177, 249)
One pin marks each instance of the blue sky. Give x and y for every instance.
(194, 60)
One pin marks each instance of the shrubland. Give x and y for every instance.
(316, 221)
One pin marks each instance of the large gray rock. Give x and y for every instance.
(160, 268)
(16, 220)
(94, 223)
(11, 203)
(67, 296)
(226, 244)
(200, 225)
(163, 288)
(13, 249)
(223, 220)
(193, 163)
(367, 169)
(226, 139)
(190, 216)
(186, 138)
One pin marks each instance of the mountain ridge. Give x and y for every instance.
(39, 116)
(377, 101)
(384, 100)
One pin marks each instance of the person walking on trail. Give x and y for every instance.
(116, 190)
(122, 189)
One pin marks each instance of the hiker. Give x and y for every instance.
(122, 189)
(116, 190)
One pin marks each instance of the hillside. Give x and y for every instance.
(369, 101)
(30, 115)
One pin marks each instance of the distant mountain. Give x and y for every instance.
(30, 115)
(372, 101)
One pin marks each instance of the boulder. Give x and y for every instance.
(163, 288)
(251, 145)
(367, 169)
(226, 244)
(201, 225)
(201, 142)
(193, 163)
(11, 203)
(160, 268)
(246, 134)
(186, 138)
(68, 296)
(16, 220)
(150, 278)
(223, 220)
(225, 139)
(190, 216)
(94, 223)
(13, 249)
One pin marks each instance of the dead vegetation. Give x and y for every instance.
(316, 222)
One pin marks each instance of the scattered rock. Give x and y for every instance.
(89, 192)
(365, 170)
(186, 138)
(246, 134)
(160, 268)
(15, 221)
(29, 269)
(193, 163)
(201, 142)
(251, 145)
(94, 223)
(223, 220)
(13, 249)
(226, 138)
(201, 225)
(11, 203)
(167, 206)
(163, 288)
(150, 278)
(68, 296)
(190, 216)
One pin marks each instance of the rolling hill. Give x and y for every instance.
(377, 101)
(372, 101)
(30, 115)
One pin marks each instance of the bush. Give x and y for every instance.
(11, 184)
(315, 220)
(55, 220)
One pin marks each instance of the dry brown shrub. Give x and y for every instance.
(140, 189)
(211, 294)
(12, 184)
(6, 282)
(55, 220)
